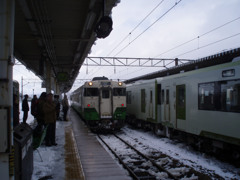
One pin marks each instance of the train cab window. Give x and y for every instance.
(219, 96)
(105, 93)
(119, 91)
(90, 91)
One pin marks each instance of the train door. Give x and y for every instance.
(105, 103)
(167, 106)
(180, 103)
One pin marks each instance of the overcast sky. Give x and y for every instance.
(211, 26)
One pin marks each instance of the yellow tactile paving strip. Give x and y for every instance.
(73, 166)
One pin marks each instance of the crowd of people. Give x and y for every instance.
(46, 110)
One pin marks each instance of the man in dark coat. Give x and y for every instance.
(49, 110)
(25, 108)
(34, 103)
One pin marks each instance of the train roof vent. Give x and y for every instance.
(236, 59)
(99, 78)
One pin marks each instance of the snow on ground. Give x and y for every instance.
(52, 163)
(181, 152)
(49, 162)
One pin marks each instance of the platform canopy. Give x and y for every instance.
(54, 36)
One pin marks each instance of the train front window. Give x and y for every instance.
(90, 92)
(119, 91)
(105, 93)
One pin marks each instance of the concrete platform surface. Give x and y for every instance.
(96, 162)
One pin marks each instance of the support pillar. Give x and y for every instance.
(48, 78)
(7, 10)
(56, 90)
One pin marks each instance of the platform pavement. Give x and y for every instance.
(96, 162)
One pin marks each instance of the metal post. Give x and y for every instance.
(176, 61)
(7, 10)
(48, 78)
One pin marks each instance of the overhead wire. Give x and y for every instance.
(223, 39)
(208, 32)
(212, 30)
(133, 30)
(136, 27)
(176, 3)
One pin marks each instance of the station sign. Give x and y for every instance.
(62, 77)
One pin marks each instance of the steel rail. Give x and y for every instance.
(143, 155)
(119, 159)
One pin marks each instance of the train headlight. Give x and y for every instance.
(90, 83)
(120, 83)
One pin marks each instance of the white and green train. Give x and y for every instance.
(202, 105)
(101, 103)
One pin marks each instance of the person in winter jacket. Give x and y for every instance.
(49, 111)
(34, 103)
(25, 108)
(40, 114)
(65, 105)
(57, 104)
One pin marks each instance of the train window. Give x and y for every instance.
(205, 96)
(230, 96)
(167, 96)
(143, 100)
(162, 96)
(219, 96)
(129, 93)
(119, 91)
(90, 91)
(151, 96)
(105, 93)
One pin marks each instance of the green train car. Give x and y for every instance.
(101, 103)
(201, 106)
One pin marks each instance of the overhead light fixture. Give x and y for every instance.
(104, 27)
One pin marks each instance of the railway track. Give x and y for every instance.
(151, 167)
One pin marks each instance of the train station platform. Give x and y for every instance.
(95, 162)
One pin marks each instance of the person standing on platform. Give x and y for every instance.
(40, 114)
(34, 103)
(57, 104)
(65, 105)
(25, 108)
(49, 111)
